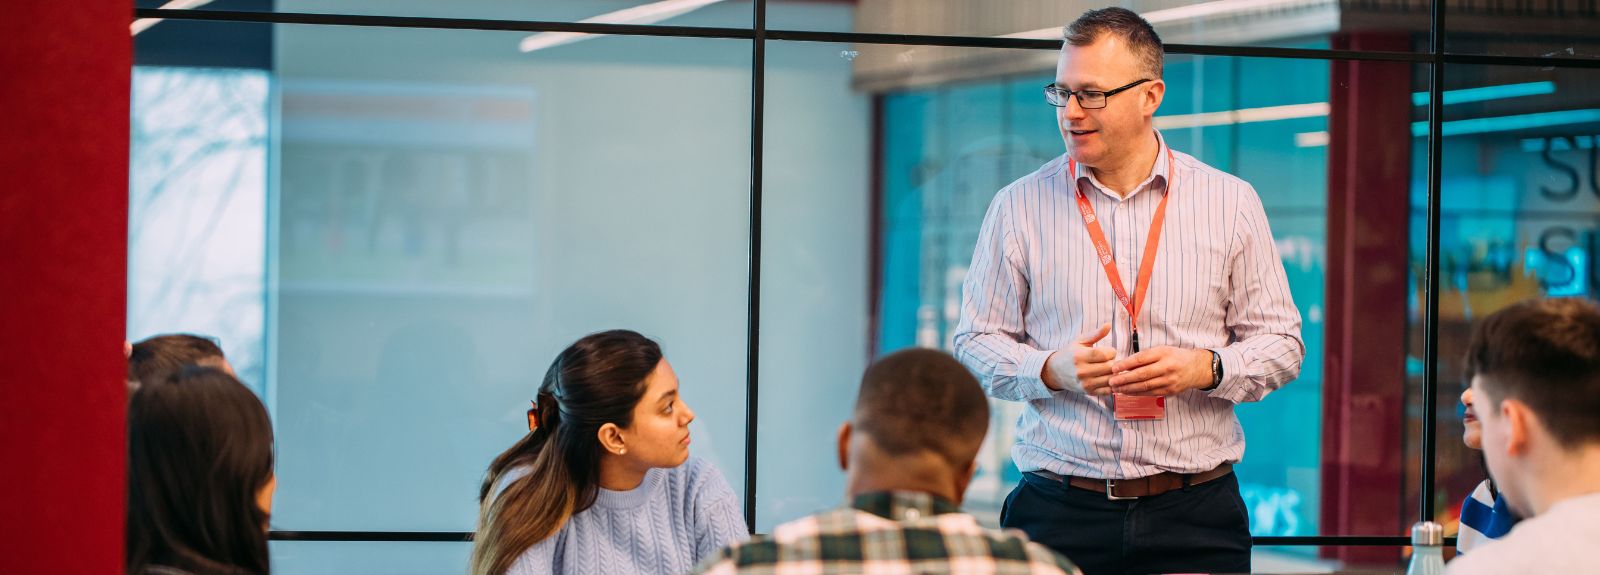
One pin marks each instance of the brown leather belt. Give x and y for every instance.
(1118, 489)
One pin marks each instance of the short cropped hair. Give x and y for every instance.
(157, 357)
(1546, 354)
(1141, 38)
(922, 400)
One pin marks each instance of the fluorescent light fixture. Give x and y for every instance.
(1509, 123)
(1244, 116)
(143, 24)
(1489, 93)
(1181, 13)
(1311, 139)
(642, 14)
(1452, 128)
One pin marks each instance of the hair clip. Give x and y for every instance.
(533, 416)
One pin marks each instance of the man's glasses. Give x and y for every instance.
(1087, 99)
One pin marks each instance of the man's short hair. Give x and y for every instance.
(1546, 354)
(922, 400)
(1141, 38)
(157, 357)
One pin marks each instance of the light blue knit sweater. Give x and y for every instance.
(675, 518)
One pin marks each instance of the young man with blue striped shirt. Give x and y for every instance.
(1485, 515)
(1132, 296)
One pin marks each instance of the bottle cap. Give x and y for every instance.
(1427, 533)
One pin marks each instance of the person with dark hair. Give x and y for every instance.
(156, 357)
(603, 482)
(200, 476)
(1535, 373)
(908, 452)
(1131, 296)
(1485, 514)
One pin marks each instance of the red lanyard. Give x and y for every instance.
(1103, 249)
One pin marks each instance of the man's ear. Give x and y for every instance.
(844, 446)
(611, 439)
(963, 479)
(1519, 422)
(1153, 97)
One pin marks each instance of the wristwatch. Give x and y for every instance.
(1216, 370)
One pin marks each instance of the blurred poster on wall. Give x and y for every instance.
(408, 188)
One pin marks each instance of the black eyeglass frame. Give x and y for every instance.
(1054, 93)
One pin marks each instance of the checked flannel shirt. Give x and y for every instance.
(888, 533)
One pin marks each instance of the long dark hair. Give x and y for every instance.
(199, 453)
(595, 381)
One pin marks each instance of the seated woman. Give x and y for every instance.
(603, 481)
(200, 477)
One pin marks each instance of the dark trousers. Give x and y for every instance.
(1202, 529)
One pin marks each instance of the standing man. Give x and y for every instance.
(1132, 296)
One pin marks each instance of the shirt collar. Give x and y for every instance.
(1157, 177)
(903, 505)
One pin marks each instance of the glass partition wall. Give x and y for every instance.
(393, 215)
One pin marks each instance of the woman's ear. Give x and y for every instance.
(264, 496)
(611, 439)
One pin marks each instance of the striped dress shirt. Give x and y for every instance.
(1035, 285)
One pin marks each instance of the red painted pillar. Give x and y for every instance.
(1369, 179)
(64, 68)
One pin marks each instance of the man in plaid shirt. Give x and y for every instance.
(908, 453)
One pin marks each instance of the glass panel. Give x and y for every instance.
(1284, 126)
(1277, 23)
(815, 266)
(1549, 29)
(715, 13)
(1520, 206)
(368, 558)
(442, 214)
(197, 209)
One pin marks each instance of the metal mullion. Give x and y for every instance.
(445, 23)
(467, 536)
(758, 63)
(379, 536)
(259, 17)
(1522, 61)
(1430, 318)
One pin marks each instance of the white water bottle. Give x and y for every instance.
(1427, 549)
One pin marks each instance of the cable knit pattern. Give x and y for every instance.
(672, 521)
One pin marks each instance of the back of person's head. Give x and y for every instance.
(1534, 369)
(1544, 354)
(157, 357)
(1127, 25)
(918, 403)
(594, 382)
(200, 474)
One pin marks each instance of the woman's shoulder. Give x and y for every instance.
(701, 479)
(697, 471)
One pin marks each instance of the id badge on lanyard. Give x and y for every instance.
(1129, 407)
(1138, 407)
